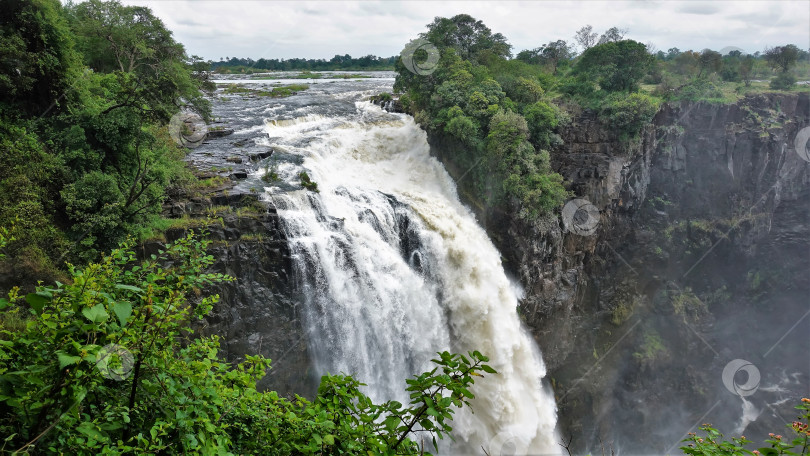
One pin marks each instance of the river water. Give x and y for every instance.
(391, 266)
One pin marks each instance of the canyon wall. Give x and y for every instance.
(699, 255)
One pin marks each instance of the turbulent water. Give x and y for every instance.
(393, 268)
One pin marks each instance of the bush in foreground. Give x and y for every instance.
(105, 364)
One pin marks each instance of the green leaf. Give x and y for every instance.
(391, 423)
(37, 301)
(329, 439)
(488, 369)
(66, 360)
(4, 303)
(96, 314)
(89, 429)
(122, 310)
(129, 288)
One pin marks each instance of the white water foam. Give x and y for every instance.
(394, 268)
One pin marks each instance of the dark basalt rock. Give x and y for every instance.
(258, 312)
(260, 155)
(219, 133)
(708, 197)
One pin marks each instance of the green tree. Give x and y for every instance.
(586, 37)
(556, 52)
(155, 74)
(709, 62)
(782, 57)
(617, 66)
(525, 173)
(746, 68)
(469, 37)
(38, 63)
(612, 35)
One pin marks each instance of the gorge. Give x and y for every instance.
(640, 296)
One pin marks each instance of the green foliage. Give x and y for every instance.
(616, 66)
(526, 173)
(479, 98)
(270, 174)
(86, 154)
(782, 57)
(307, 183)
(286, 91)
(627, 114)
(105, 364)
(783, 81)
(697, 89)
(652, 348)
(543, 119)
(470, 38)
(712, 443)
(38, 63)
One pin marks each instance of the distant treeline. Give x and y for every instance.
(338, 62)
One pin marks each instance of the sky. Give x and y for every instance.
(215, 29)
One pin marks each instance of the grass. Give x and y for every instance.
(157, 228)
(283, 91)
(275, 92)
(735, 91)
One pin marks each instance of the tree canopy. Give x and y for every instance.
(469, 37)
(86, 91)
(617, 66)
(782, 57)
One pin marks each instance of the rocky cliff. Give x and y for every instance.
(258, 312)
(699, 255)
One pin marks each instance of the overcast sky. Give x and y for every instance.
(276, 29)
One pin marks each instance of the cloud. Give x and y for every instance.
(699, 8)
(321, 29)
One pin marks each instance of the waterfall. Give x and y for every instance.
(393, 268)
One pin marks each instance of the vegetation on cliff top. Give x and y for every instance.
(506, 113)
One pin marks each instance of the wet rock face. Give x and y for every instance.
(695, 259)
(257, 312)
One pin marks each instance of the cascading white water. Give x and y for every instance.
(394, 268)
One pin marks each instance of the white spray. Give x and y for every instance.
(394, 268)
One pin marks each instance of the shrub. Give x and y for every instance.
(698, 89)
(629, 113)
(542, 119)
(783, 81)
(796, 440)
(307, 183)
(104, 365)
